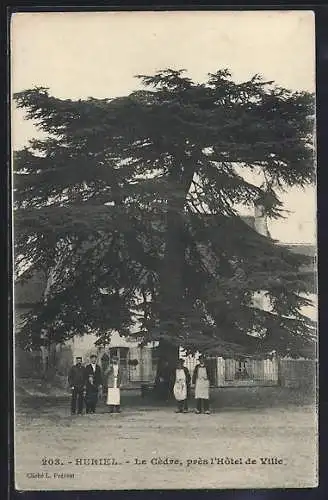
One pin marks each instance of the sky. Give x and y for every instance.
(78, 55)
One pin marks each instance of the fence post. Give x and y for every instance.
(220, 371)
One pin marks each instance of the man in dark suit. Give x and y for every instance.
(162, 381)
(94, 369)
(76, 380)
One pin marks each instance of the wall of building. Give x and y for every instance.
(64, 360)
(298, 374)
(137, 363)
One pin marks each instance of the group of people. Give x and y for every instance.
(181, 383)
(87, 383)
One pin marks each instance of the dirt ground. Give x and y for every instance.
(254, 438)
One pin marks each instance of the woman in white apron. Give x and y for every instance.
(113, 381)
(181, 386)
(201, 380)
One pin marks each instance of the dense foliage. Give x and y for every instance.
(129, 206)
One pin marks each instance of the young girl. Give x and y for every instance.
(181, 386)
(201, 379)
(91, 395)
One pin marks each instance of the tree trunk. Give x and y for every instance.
(170, 299)
(49, 368)
(167, 358)
(171, 279)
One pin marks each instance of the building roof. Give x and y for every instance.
(306, 249)
(249, 219)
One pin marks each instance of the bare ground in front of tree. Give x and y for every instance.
(245, 426)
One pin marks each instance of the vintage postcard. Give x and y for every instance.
(164, 235)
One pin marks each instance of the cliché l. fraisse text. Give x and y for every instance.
(47, 475)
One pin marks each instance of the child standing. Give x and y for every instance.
(201, 379)
(181, 386)
(91, 395)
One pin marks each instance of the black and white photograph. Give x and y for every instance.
(164, 250)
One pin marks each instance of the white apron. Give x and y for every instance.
(114, 393)
(180, 386)
(202, 386)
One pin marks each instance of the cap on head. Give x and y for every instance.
(78, 358)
